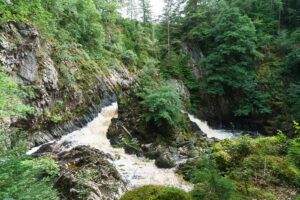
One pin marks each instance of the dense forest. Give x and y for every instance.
(232, 63)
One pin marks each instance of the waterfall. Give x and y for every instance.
(219, 134)
(136, 171)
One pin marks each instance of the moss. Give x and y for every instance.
(258, 163)
(262, 194)
(151, 192)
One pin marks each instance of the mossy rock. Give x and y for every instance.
(152, 192)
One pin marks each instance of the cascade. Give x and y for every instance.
(211, 133)
(136, 171)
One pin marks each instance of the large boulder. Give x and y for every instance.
(165, 161)
(87, 173)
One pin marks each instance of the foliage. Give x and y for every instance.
(229, 66)
(21, 177)
(209, 184)
(241, 168)
(263, 159)
(129, 57)
(77, 20)
(294, 98)
(151, 192)
(163, 105)
(11, 96)
(161, 100)
(23, 10)
(294, 150)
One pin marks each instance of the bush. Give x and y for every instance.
(11, 96)
(163, 105)
(294, 150)
(209, 184)
(230, 153)
(21, 177)
(162, 101)
(151, 192)
(129, 57)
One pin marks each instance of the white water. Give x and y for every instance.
(219, 134)
(136, 171)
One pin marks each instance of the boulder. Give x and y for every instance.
(86, 173)
(165, 161)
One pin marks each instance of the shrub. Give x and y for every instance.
(21, 177)
(163, 105)
(151, 192)
(209, 184)
(162, 101)
(11, 96)
(129, 57)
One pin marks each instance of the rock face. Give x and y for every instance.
(195, 55)
(28, 58)
(181, 88)
(85, 173)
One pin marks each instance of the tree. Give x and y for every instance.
(162, 101)
(131, 8)
(294, 98)
(209, 184)
(229, 66)
(168, 10)
(146, 11)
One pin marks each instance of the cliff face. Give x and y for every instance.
(29, 59)
(218, 110)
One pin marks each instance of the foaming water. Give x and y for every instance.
(219, 134)
(134, 170)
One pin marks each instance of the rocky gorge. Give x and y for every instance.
(28, 59)
(86, 169)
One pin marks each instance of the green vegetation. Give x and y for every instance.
(11, 95)
(242, 168)
(209, 184)
(151, 192)
(21, 177)
(161, 99)
(246, 55)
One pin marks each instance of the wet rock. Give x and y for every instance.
(132, 147)
(164, 161)
(86, 173)
(28, 67)
(195, 56)
(210, 141)
(160, 144)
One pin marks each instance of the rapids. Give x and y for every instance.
(219, 134)
(136, 171)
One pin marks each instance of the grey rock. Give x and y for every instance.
(180, 88)
(87, 174)
(164, 161)
(28, 67)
